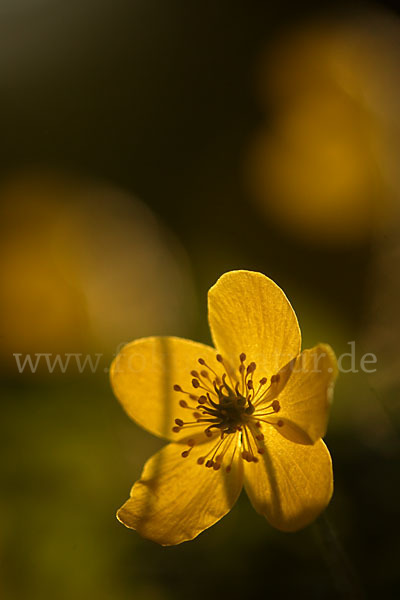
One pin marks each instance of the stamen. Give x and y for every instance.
(261, 383)
(241, 372)
(197, 384)
(228, 444)
(230, 408)
(229, 467)
(247, 454)
(178, 388)
(218, 459)
(264, 395)
(249, 375)
(201, 459)
(203, 363)
(191, 443)
(227, 371)
(257, 437)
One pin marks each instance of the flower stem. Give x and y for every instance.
(345, 578)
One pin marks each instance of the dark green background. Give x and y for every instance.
(158, 97)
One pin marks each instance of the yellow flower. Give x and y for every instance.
(250, 413)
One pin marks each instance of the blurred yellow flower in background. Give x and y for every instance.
(324, 167)
(60, 292)
(251, 413)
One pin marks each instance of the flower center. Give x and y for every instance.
(231, 408)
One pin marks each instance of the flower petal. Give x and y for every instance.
(306, 397)
(176, 498)
(144, 373)
(249, 313)
(291, 483)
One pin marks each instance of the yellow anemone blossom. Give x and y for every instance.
(251, 412)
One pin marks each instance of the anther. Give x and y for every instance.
(216, 466)
(204, 374)
(280, 423)
(242, 357)
(260, 437)
(185, 453)
(209, 463)
(179, 422)
(202, 400)
(195, 383)
(183, 403)
(201, 361)
(177, 388)
(252, 367)
(219, 358)
(196, 415)
(276, 407)
(200, 460)
(261, 450)
(263, 381)
(191, 442)
(176, 429)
